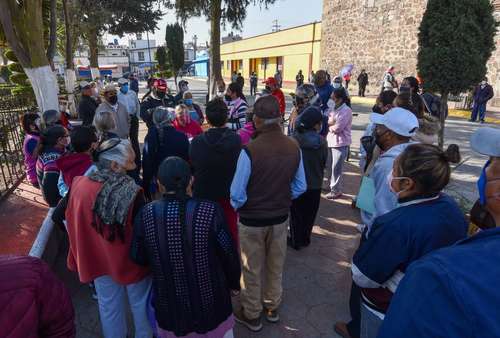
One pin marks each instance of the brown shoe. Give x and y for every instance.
(254, 325)
(341, 329)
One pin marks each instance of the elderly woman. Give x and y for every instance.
(188, 246)
(161, 142)
(184, 123)
(194, 110)
(104, 123)
(99, 213)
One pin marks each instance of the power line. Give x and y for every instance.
(276, 27)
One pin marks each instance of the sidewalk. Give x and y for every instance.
(21, 216)
(316, 280)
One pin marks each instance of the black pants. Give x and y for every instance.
(134, 140)
(253, 89)
(347, 84)
(302, 216)
(354, 326)
(362, 89)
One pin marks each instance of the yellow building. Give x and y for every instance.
(289, 50)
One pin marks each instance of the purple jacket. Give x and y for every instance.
(339, 134)
(29, 145)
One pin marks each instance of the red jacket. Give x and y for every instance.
(73, 165)
(191, 129)
(90, 254)
(33, 301)
(277, 93)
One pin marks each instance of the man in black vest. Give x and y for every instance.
(269, 174)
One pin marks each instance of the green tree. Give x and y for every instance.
(23, 28)
(161, 57)
(456, 39)
(218, 12)
(174, 37)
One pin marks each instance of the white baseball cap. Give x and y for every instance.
(122, 81)
(401, 121)
(486, 141)
(84, 84)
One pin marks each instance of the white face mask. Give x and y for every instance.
(391, 178)
(336, 85)
(483, 83)
(331, 104)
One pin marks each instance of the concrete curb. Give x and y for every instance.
(43, 236)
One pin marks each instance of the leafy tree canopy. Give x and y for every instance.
(233, 11)
(456, 40)
(174, 37)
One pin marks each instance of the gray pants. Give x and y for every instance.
(338, 156)
(370, 323)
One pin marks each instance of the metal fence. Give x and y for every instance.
(11, 142)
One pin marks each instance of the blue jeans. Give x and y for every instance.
(111, 298)
(370, 323)
(478, 109)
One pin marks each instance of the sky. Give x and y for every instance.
(289, 13)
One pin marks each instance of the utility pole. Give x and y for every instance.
(195, 44)
(149, 50)
(276, 27)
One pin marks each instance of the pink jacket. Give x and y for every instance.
(33, 301)
(339, 134)
(246, 133)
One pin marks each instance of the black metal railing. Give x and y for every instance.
(11, 142)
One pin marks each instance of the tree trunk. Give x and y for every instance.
(92, 38)
(215, 70)
(70, 75)
(51, 49)
(442, 118)
(23, 28)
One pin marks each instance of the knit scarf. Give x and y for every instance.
(113, 201)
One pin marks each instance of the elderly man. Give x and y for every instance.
(87, 105)
(129, 99)
(120, 114)
(269, 174)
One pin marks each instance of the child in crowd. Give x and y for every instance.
(425, 220)
(31, 139)
(52, 145)
(79, 162)
(248, 129)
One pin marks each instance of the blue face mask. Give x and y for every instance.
(188, 102)
(124, 88)
(481, 184)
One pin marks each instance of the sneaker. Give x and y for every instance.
(341, 329)
(254, 325)
(334, 195)
(272, 316)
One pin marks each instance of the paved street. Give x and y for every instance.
(316, 279)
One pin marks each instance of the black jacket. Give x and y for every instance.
(214, 155)
(160, 144)
(314, 155)
(150, 103)
(86, 110)
(363, 79)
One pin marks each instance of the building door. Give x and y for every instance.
(279, 65)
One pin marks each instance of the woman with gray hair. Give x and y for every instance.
(161, 142)
(99, 211)
(104, 123)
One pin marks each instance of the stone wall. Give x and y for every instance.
(373, 34)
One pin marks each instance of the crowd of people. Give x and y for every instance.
(206, 210)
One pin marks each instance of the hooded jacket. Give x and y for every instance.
(214, 155)
(73, 165)
(314, 154)
(246, 133)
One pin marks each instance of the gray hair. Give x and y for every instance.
(162, 115)
(276, 120)
(104, 121)
(119, 153)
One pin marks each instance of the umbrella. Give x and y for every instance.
(347, 69)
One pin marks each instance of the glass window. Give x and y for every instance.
(141, 56)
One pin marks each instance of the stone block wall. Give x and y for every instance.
(374, 34)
